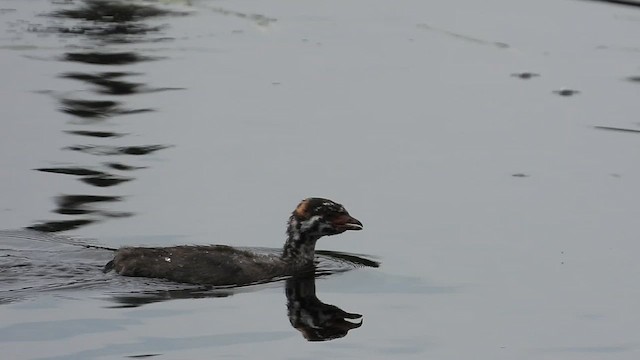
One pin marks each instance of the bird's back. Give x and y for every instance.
(211, 265)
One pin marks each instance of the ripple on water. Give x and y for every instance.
(34, 262)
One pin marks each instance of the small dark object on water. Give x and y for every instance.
(566, 92)
(522, 175)
(616, 129)
(141, 356)
(221, 265)
(525, 75)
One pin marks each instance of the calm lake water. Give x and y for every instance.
(490, 149)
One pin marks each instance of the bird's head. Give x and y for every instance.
(317, 217)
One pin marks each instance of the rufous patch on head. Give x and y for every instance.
(302, 211)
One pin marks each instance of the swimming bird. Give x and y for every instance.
(222, 265)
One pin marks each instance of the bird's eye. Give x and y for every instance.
(337, 212)
(329, 212)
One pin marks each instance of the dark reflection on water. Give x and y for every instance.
(63, 225)
(316, 320)
(35, 262)
(72, 171)
(114, 22)
(100, 23)
(106, 83)
(109, 30)
(77, 202)
(96, 108)
(98, 134)
(142, 356)
(113, 12)
(123, 167)
(92, 177)
(107, 58)
(117, 150)
(610, 128)
(79, 205)
(622, 2)
(89, 176)
(104, 180)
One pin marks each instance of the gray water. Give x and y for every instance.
(502, 207)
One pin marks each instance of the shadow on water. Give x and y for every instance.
(34, 263)
(98, 24)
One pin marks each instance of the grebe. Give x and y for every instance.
(222, 265)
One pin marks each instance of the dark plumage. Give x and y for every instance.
(221, 265)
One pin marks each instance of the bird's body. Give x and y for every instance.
(207, 264)
(222, 265)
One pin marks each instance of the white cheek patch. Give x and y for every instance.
(324, 227)
(309, 223)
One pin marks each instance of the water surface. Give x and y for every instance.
(502, 207)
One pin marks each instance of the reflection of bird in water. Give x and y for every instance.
(316, 320)
(221, 265)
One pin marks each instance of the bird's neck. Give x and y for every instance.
(299, 249)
